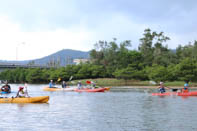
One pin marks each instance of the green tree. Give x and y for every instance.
(34, 75)
(187, 70)
(151, 47)
(157, 73)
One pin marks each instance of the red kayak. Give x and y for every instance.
(90, 90)
(164, 94)
(193, 93)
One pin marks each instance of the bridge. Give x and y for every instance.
(14, 66)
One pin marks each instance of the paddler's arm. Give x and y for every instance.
(17, 94)
(168, 87)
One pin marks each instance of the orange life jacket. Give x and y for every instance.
(185, 90)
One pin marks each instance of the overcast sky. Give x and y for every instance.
(32, 29)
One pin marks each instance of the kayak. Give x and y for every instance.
(4, 92)
(164, 94)
(59, 89)
(38, 99)
(90, 90)
(107, 88)
(192, 93)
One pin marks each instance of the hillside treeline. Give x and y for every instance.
(152, 61)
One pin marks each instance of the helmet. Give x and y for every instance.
(186, 85)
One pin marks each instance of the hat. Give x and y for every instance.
(20, 88)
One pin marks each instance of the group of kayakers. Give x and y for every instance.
(162, 88)
(20, 93)
(52, 85)
(64, 84)
(92, 85)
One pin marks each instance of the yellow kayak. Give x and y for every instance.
(38, 99)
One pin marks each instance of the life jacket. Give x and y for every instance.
(185, 90)
(22, 94)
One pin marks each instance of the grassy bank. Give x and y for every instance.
(121, 82)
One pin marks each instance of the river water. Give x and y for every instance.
(116, 110)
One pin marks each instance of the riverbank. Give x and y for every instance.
(131, 83)
(148, 87)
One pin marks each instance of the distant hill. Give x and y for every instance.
(63, 57)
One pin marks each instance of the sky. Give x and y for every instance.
(31, 29)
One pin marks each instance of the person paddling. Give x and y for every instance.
(21, 92)
(162, 88)
(51, 84)
(64, 84)
(186, 88)
(6, 88)
(79, 85)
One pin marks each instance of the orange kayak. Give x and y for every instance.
(164, 94)
(192, 93)
(107, 88)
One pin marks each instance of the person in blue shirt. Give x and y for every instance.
(51, 84)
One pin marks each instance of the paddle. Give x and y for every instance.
(59, 79)
(71, 77)
(26, 90)
(88, 82)
(173, 89)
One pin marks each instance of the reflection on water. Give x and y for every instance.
(117, 110)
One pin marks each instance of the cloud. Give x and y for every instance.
(50, 25)
(39, 43)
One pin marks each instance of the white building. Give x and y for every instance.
(78, 61)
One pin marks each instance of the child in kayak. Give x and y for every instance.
(21, 92)
(162, 88)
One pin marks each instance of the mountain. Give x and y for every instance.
(62, 57)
